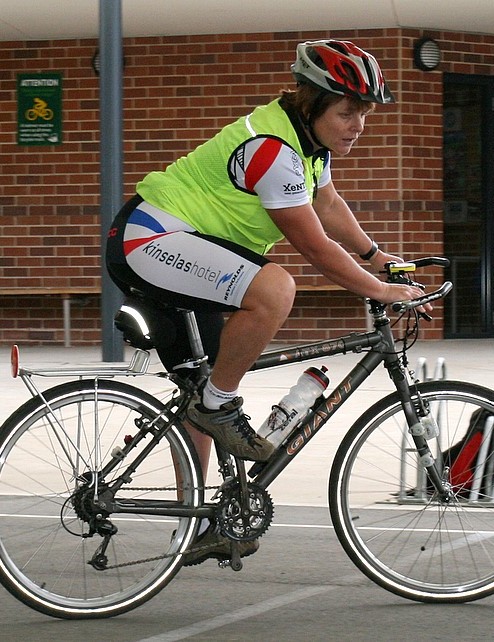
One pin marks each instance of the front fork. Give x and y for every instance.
(420, 425)
(415, 410)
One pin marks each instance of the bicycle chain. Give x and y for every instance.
(170, 488)
(197, 549)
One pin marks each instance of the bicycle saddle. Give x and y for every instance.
(145, 326)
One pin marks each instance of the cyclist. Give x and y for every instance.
(196, 234)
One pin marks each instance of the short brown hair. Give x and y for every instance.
(312, 102)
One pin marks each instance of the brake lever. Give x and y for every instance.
(425, 316)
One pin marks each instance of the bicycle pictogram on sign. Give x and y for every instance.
(39, 109)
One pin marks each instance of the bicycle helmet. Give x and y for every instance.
(340, 67)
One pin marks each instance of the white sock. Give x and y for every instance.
(213, 398)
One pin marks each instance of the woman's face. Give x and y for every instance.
(339, 127)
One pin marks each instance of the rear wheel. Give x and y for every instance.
(63, 551)
(386, 515)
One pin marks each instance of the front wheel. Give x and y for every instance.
(387, 515)
(65, 550)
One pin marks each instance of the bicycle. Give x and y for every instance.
(102, 492)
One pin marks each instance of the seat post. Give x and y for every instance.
(195, 341)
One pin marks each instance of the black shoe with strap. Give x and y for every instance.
(230, 428)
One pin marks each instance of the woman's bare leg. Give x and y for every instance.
(246, 334)
(265, 307)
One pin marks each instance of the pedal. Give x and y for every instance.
(235, 566)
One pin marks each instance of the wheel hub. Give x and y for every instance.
(83, 503)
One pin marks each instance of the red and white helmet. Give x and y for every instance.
(340, 67)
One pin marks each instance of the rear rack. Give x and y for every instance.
(137, 366)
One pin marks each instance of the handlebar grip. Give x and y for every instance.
(401, 306)
(442, 261)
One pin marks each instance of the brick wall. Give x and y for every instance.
(178, 92)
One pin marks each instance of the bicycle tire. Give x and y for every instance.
(385, 513)
(44, 454)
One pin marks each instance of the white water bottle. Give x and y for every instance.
(294, 406)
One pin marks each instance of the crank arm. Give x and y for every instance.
(235, 563)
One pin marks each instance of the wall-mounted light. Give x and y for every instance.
(426, 54)
(95, 62)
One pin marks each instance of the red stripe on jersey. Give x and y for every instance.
(261, 161)
(133, 244)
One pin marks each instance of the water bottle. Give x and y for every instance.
(294, 406)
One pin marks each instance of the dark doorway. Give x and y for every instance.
(469, 204)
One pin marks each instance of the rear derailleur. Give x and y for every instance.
(91, 511)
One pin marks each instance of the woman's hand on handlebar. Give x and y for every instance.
(401, 291)
(393, 292)
(398, 292)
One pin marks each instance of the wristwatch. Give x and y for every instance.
(370, 253)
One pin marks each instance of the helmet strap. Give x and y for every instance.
(308, 140)
(308, 124)
(309, 121)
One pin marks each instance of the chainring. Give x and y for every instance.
(240, 523)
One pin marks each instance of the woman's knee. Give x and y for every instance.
(283, 284)
(273, 287)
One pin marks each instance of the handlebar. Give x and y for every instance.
(441, 261)
(402, 306)
(394, 270)
(399, 273)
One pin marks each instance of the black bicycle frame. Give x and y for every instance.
(380, 348)
(381, 344)
(265, 473)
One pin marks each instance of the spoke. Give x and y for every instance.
(400, 531)
(62, 551)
